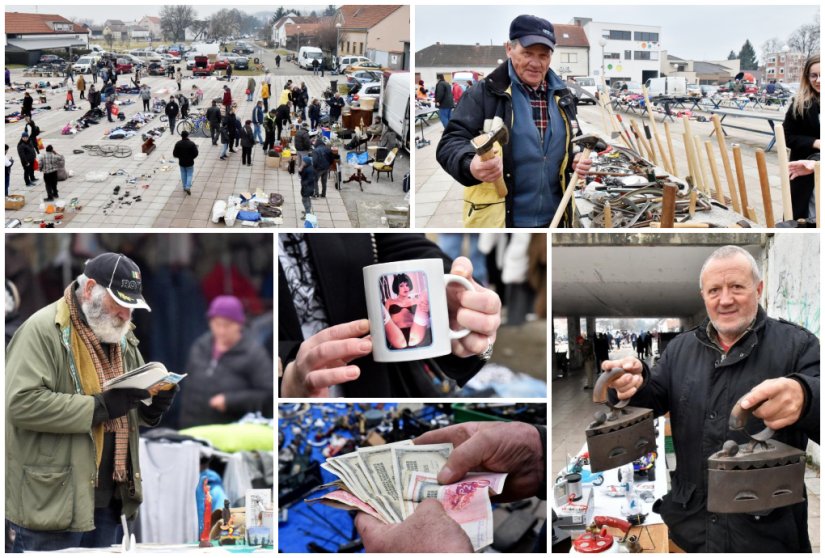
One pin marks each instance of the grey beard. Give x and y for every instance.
(107, 328)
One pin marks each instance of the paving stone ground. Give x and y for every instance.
(157, 178)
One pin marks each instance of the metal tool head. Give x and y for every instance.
(759, 475)
(485, 142)
(590, 141)
(621, 435)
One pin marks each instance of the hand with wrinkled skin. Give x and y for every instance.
(626, 385)
(487, 171)
(513, 448)
(581, 166)
(322, 360)
(478, 310)
(783, 400)
(429, 529)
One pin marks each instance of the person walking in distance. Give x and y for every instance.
(186, 152)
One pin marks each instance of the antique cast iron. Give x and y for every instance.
(759, 475)
(620, 436)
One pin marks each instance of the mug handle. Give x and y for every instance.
(450, 278)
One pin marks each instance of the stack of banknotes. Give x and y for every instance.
(387, 482)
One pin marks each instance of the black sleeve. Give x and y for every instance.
(541, 493)
(454, 150)
(807, 374)
(798, 136)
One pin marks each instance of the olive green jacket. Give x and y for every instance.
(52, 449)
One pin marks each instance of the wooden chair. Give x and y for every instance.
(386, 165)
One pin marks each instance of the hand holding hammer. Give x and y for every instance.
(588, 143)
(487, 166)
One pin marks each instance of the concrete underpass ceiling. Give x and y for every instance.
(628, 281)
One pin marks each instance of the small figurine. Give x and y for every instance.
(207, 516)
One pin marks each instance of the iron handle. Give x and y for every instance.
(739, 418)
(607, 521)
(600, 389)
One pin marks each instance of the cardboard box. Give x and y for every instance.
(15, 201)
(273, 162)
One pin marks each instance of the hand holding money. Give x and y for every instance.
(390, 483)
(443, 534)
(514, 448)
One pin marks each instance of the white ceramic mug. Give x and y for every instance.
(407, 309)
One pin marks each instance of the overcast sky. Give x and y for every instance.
(134, 12)
(690, 32)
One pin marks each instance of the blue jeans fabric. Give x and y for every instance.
(444, 115)
(224, 149)
(256, 131)
(186, 174)
(107, 532)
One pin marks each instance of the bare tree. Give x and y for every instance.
(175, 19)
(328, 35)
(771, 46)
(110, 39)
(805, 39)
(225, 23)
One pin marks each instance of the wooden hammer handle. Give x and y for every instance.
(568, 193)
(501, 187)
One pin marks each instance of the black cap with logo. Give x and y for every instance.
(531, 30)
(120, 276)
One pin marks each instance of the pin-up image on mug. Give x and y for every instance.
(407, 309)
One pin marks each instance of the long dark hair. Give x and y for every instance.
(399, 280)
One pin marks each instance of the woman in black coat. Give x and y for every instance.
(247, 142)
(802, 135)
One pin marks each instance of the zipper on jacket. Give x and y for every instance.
(562, 179)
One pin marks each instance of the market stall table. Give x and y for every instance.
(652, 534)
(769, 118)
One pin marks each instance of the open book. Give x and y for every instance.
(152, 376)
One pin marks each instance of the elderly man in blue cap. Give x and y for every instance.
(531, 101)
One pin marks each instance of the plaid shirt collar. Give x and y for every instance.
(538, 103)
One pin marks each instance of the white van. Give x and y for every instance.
(396, 106)
(673, 86)
(307, 54)
(84, 64)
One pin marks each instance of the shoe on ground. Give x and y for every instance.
(188, 191)
(322, 196)
(223, 157)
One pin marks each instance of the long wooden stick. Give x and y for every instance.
(668, 206)
(723, 150)
(784, 173)
(691, 169)
(703, 169)
(674, 170)
(653, 126)
(714, 172)
(568, 193)
(740, 176)
(608, 216)
(765, 184)
(642, 140)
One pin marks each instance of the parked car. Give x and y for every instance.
(222, 62)
(123, 66)
(346, 61)
(84, 64)
(694, 90)
(156, 69)
(370, 89)
(50, 59)
(241, 63)
(169, 58)
(243, 49)
(365, 76)
(372, 66)
(709, 90)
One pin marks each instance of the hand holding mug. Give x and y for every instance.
(323, 360)
(478, 310)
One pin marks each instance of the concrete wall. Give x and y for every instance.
(390, 34)
(622, 67)
(792, 286)
(571, 61)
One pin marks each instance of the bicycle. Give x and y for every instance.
(109, 150)
(196, 124)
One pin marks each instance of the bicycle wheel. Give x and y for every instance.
(184, 125)
(107, 150)
(206, 129)
(122, 151)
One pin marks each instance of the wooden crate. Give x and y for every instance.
(15, 201)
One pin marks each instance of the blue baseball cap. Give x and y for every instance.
(531, 30)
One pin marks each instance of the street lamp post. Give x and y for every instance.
(603, 43)
(337, 43)
(299, 39)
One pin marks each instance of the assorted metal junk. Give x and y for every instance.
(621, 435)
(759, 475)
